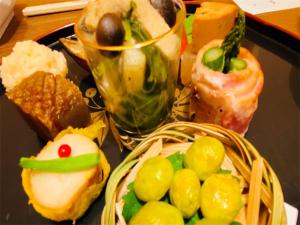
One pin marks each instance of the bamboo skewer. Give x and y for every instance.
(245, 171)
(255, 192)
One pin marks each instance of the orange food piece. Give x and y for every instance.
(213, 20)
(188, 59)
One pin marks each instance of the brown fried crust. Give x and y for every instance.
(50, 103)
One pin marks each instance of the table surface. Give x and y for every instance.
(24, 28)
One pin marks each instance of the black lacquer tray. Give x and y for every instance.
(275, 129)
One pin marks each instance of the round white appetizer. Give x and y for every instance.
(67, 175)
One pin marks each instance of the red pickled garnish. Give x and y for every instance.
(184, 42)
(64, 151)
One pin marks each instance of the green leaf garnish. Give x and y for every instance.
(222, 171)
(166, 198)
(131, 203)
(176, 160)
(237, 178)
(189, 27)
(193, 219)
(61, 165)
(235, 223)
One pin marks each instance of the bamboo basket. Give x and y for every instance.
(263, 197)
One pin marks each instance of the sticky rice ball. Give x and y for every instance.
(27, 58)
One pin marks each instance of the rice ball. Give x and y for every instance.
(27, 58)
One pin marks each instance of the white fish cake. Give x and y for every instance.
(67, 195)
(56, 190)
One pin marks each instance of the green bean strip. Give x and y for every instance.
(61, 165)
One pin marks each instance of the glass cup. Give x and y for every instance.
(137, 80)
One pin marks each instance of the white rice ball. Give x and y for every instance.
(27, 58)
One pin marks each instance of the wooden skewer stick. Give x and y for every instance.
(54, 8)
(255, 192)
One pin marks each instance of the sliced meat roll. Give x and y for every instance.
(229, 100)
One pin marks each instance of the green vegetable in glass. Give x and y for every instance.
(147, 107)
(62, 165)
(127, 28)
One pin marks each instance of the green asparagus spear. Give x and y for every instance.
(232, 42)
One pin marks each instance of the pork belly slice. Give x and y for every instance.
(50, 103)
(231, 99)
